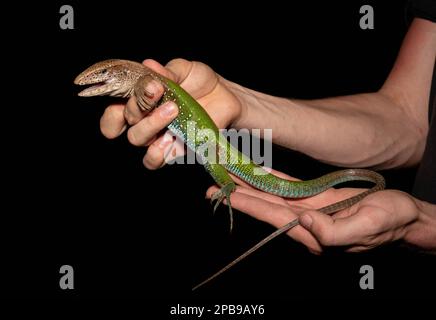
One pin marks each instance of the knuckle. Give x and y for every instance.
(325, 237)
(156, 122)
(179, 68)
(153, 159)
(150, 141)
(130, 117)
(132, 136)
(176, 61)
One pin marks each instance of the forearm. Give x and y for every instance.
(422, 232)
(359, 130)
(384, 129)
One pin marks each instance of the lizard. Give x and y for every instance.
(124, 78)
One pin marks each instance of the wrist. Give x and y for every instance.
(239, 93)
(262, 111)
(422, 232)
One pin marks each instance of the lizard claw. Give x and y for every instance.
(220, 195)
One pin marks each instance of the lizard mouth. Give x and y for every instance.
(97, 89)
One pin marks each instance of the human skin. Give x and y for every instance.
(394, 121)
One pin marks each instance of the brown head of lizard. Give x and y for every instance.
(115, 78)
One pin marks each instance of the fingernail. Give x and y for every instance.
(168, 109)
(306, 221)
(151, 89)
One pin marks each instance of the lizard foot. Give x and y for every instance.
(220, 195)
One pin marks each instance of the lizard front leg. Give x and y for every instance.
(144, 99)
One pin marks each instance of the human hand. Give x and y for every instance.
(381, 217)
(146, 129)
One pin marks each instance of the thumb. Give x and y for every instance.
(335, 232)
(320, 225)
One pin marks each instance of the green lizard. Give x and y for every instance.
(123, 78)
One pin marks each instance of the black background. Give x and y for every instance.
(74, 197)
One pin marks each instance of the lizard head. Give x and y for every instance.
(110, 77)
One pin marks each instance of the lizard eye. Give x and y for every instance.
(103, 71)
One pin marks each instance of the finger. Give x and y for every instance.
(248, 189)
(197, 78)
(180, 70)
(263, 195)
(326, 198)
(254, 193)
(157, 67)
(112, 122)
(272, 213)
(154, 158)
(281, 174)
(174, 149)
(256, 206)
(270, 197)
(132, 113)
(163, 150)
(142, 132)
(344, 213)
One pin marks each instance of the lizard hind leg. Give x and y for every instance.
(220, 195)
